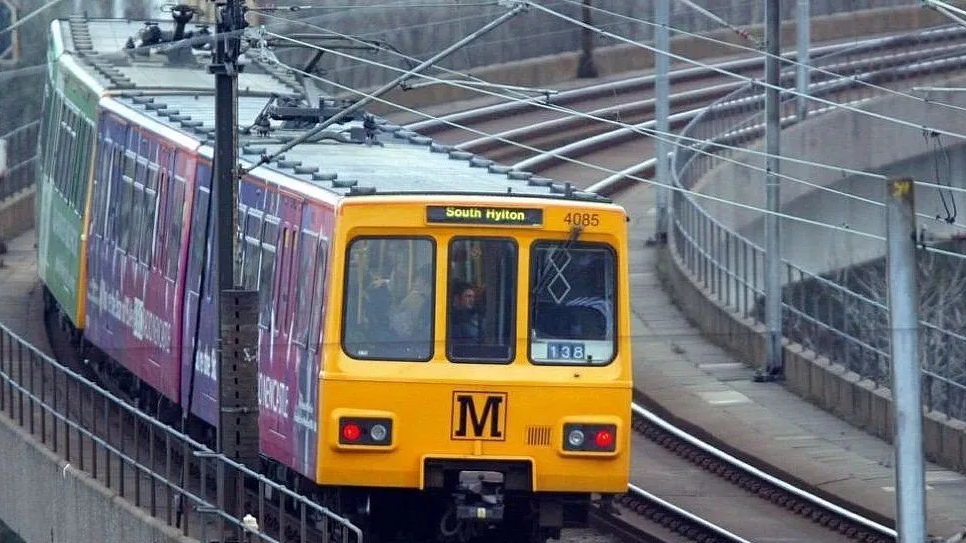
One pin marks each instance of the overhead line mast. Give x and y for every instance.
(236, 309)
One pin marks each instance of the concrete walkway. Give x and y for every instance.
(699, 384)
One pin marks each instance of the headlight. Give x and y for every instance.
(575, 438)
(378, 432)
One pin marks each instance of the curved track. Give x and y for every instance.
(702, 484)
(718, 498)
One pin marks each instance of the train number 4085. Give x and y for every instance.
(576, 218)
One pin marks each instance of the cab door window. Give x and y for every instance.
(481, 302)
(389, 299)
(572, 303)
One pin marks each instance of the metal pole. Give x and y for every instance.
(906, 391)
(585, 64)
(362, 102)
(662, 41)
(803, 33)
(224, 191)
(773, 287)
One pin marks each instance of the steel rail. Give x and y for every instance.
(430, 126)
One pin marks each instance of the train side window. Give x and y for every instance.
(266, 286)
(481, 300)
(389, 299)
(124, 217)
(239, 247)
(138, 209)
(308, 245)
(159, 258)
(112, 216)
(572, 303)
(287, 249)
(150, 216)
(252, 252)
(102, 183)
(197, 240)
(318, 297)
(175, 225)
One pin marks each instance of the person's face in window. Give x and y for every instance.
(466, 299)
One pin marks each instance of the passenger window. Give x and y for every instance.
(308, 244)
(389, 299)
(481, 301)
(572, 303)
(175, 225)
(266, 285)
(253, 227)
(315, 326)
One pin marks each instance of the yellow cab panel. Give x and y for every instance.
(483, 332)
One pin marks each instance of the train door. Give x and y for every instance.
(199, 374)
(305, 354)
(276, 382)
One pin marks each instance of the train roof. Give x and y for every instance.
(170, 85)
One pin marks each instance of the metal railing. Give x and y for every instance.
(162, 471)
(823, 312)
(21, 159)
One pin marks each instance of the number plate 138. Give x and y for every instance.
(566, 351)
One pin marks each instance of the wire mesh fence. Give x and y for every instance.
(841, 314)
(162, 471)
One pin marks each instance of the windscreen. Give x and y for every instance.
(389, 299)
(572, 303)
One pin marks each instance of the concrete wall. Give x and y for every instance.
(819, 249)
(531, 70)
(16, 214)
(46, 504)
(850, 140)
(813, 377)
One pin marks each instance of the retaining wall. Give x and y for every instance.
(45, 503)
(811, 376)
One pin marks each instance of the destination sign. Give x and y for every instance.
(511, 216)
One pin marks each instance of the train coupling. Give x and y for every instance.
(479, 496)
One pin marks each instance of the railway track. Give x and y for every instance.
(605, 143)
(592, 150)
(546, 142)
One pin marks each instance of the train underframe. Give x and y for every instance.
(478, 501)
(462, 502)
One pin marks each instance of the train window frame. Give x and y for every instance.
(615, 314)
(346, 299)
(269, 253)
(511, 312)
(149, 235)
(305, 283)
(138, 205)
(284, 255)
(318, 292)
(125, 212)
(251, 252)
(238, 247)
(178, 188)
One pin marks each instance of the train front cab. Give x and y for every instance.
(481, 378)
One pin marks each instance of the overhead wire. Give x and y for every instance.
(589, 165)
(29, 16)
(782, 58)
(758, 82)
(669, 137)
(701, 195)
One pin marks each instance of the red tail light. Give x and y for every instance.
(351, 432)
(604, 439)
(365, 431)
(599, 438)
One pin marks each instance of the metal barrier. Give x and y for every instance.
(822, 312)
(162, 471)
(21, 149)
